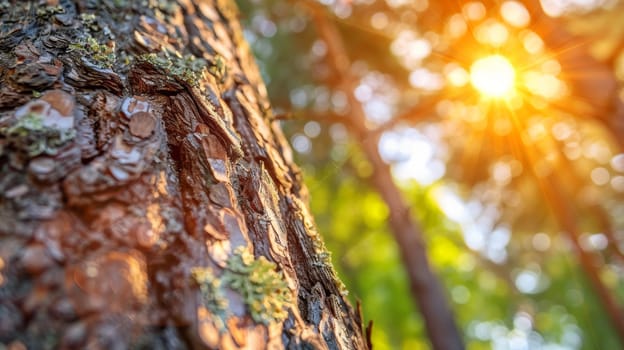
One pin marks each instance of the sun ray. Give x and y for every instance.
(554, 54)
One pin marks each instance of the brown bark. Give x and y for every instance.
(146, 198)
(425, 286)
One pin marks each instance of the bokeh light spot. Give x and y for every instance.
(460, 294)
(514, 13)
(301, 143)
(312, 129)
(532, 42)
(527, 281)
(541, 242)
(456, 75)
(600, 176)
(474, 10)
(379, 20)
(492, 33)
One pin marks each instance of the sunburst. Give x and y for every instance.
(493, 76)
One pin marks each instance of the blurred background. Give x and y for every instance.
(501, 124)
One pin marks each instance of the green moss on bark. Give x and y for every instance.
(263, 289)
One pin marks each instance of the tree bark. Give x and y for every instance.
(147, 199)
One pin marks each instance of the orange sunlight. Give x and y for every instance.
(493, 76)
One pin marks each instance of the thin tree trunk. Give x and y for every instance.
(146, 200)
(426, 289)
(565, 215)
(594, 85)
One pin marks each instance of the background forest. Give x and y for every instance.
(502, 123)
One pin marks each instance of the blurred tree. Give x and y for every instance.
(525, 178)
(147, 197)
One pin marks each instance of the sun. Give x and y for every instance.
(493, 76)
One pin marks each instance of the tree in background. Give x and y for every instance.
(147, 196)
(502, 123)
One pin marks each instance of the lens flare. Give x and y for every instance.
(493, 76)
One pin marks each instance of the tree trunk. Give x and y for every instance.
(147, 198)
(427, 290)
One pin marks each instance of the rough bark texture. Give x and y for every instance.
(147, 199)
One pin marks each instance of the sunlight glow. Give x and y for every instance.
(493, 76)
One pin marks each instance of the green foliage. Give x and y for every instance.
(484, 295)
